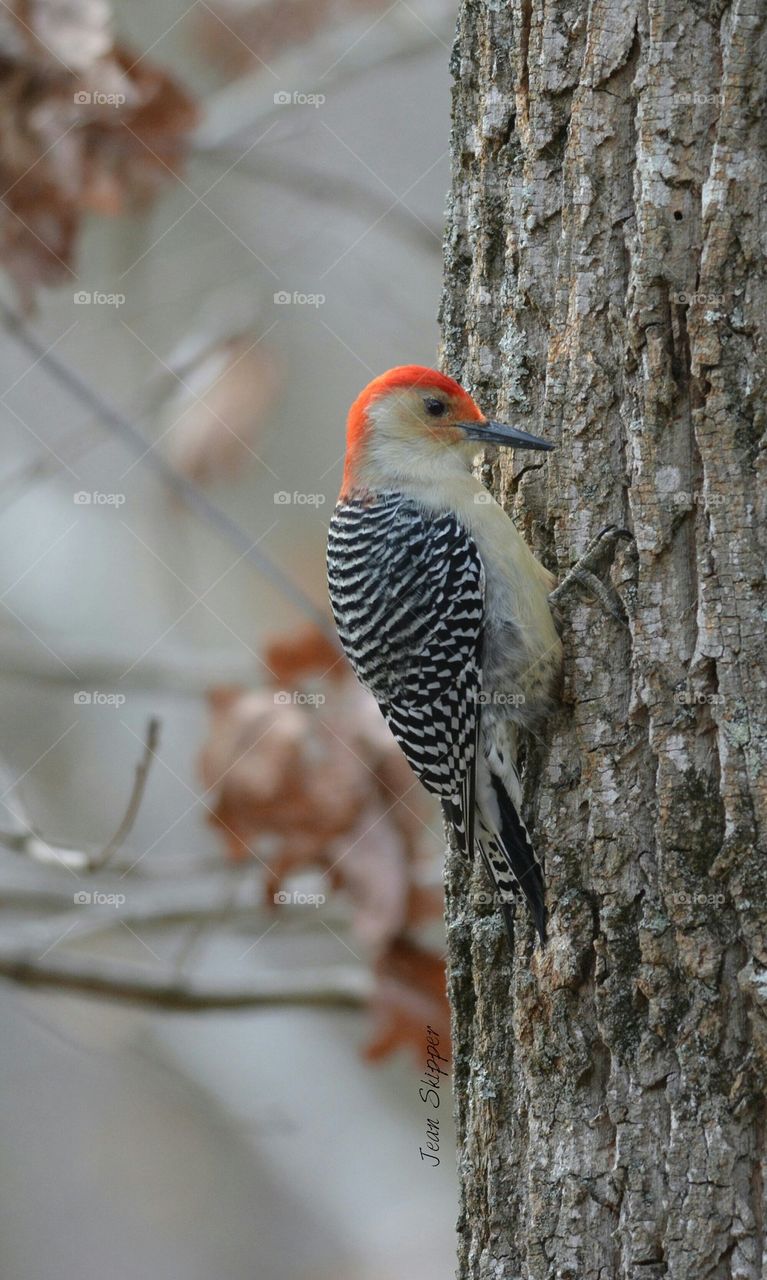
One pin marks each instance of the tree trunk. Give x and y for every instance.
(604, 286)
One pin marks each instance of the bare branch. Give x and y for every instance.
(75, 446)
(38, 849)
(336, 190)
(185, 489)
(155, 903)
(129, 817)
(18, 834)
(85, 438)
(199, 927)
(346, 988)
(32, 844)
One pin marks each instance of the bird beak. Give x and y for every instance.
(501, 433)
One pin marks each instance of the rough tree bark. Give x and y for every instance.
(605, 284)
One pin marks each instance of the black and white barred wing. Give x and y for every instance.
(407, 590)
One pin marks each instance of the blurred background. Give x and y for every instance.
(221, 889)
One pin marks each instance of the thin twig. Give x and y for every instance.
(199, 927)
(101, 977)
(157, 904)
(82, 439)
(18, 482)
(346, 988)
(332, 189)
(139, 783)
(185, 489)
(34, 845)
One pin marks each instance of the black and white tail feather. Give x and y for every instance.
(487, 817)
(407, 588)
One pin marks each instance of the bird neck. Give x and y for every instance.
(389, 464)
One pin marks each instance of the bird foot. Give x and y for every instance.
(585, 573)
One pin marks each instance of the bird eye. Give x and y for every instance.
(435, 408)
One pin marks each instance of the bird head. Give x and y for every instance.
(416, 424)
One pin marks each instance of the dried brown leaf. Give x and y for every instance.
(410, 995)
(87, 128)
(226, 414)
(237, 38)
(309, 776)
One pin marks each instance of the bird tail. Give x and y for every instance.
(493, 857)
(509, 855)
(504, 841)
(487, 813)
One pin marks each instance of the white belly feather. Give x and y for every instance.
(523, 652)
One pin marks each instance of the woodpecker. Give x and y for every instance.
(443, 610)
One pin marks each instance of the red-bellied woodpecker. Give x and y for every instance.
(443, 610)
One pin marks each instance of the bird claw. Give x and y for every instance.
(606, 540)
(585, 573)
